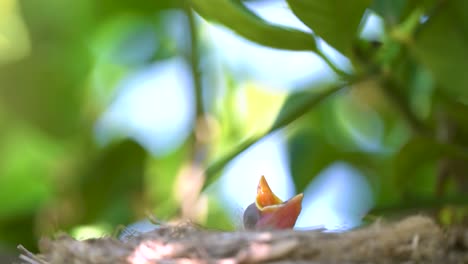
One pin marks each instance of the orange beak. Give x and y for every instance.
(269, 212)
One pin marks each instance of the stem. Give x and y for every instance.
(194, 57)
(330, 64)
(198, 147)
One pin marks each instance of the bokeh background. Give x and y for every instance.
(111, 111)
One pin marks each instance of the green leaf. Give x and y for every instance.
(441, 46)
(309, 154)
(336, 21)
(245, 23)
(301, 103)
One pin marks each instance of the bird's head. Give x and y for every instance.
(269, 212)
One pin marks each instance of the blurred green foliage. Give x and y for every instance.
(400, 116)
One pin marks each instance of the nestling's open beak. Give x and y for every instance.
(269, 212)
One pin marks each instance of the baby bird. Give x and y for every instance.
(269, 212)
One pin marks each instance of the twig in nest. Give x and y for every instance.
(29, 257)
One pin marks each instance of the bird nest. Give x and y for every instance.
(415, 239)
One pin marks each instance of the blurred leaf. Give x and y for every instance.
(237, 17)
(298, 104)
(441, 46)
(14, 42)
(112, 186)
(308, 156)
(359, 123)
(28, 160)
(57, 20)
(418, 204)
(50, 96)
(126, 40)
(106, 78)
(421, 93)
(160, 180)
(90, 231)
(107, 8)
(125, 43)
(336, 21)
(305, 102)
(119, 45)
(389, 10)
(368, 96)
(319, 140)
(18, 229)
(45, 88)
(394, 11)
(457, 119)
(310, 153)
(417, 154)
(214, 169)
(27, 180)
(261, 107)
(336, 121)
(218, 217)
